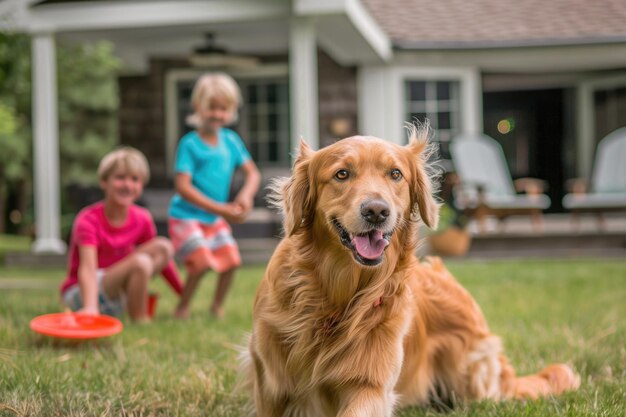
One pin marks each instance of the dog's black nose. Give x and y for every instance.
(375, 211)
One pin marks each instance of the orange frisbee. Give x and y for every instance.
(76, 326)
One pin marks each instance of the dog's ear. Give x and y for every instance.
(422, 198)
(298, 200)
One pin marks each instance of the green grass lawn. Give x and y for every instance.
(545, 311)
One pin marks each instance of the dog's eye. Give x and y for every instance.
(396, 175)
(342, 174)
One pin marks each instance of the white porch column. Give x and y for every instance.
(303, 82)
(46, 146)
(584, 130)
(472, 101)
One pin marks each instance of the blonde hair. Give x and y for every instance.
(127, 158)
(211, 86)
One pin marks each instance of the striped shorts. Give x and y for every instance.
(201, 246)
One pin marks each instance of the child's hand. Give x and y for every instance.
(89, 311)
(245, 202)
(233, 213)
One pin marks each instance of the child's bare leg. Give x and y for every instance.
(193, 279)
(137, 291)
(131, 276)
(224, 282)
(160, 250)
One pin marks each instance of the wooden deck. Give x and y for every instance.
(561, 236)
(515, 238)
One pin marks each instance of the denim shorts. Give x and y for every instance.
(73, 299)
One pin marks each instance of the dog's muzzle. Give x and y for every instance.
(367, 248)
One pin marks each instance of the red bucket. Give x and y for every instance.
(151, 305)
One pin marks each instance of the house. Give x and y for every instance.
(547, 79)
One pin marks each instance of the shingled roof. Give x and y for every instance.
(422, 24)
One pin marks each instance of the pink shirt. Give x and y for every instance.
(91, 228)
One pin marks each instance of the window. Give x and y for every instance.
(265, 120)
(437, 101)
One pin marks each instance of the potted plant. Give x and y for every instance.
(451, 238)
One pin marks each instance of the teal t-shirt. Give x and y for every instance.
(211, 169)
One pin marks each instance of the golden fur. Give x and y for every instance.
(341, 331)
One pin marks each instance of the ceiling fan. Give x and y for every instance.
(211, 55)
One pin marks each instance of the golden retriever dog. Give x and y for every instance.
(347, 321)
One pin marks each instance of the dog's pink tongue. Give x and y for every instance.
(370, 246)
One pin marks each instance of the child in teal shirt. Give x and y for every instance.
(206, 160)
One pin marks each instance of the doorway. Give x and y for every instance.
(530, 126)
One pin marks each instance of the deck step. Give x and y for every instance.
(552, 245)
(258, 238)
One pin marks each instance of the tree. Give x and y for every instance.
(15, 130)
(88, 101)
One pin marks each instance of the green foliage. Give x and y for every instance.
(7, 120)
(448, 217)
(545, 311)
(15, 131)
(14, 142)
(88, 102)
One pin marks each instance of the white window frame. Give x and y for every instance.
(433, 105)
(382, 103)
(173, 77)
(264, 136)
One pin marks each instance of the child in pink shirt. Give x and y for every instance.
(114, 249)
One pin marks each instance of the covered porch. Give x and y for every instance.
(277, 38)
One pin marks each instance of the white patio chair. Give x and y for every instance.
(606, 190)
(485, 183)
